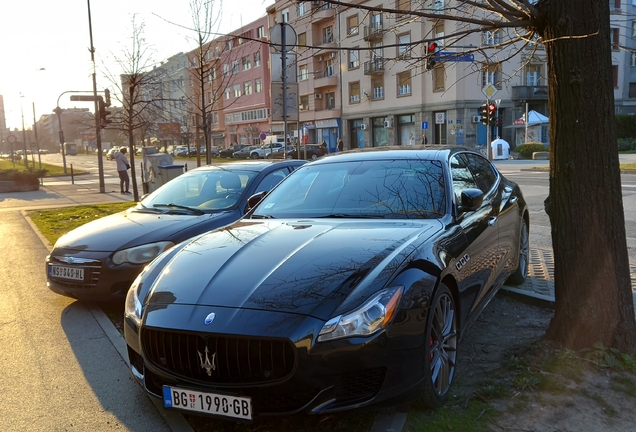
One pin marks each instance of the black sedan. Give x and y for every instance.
(228, 152)
(349, 285)
(99, 260)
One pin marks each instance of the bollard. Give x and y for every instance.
(186, 167)
(72, 177)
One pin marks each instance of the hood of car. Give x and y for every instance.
(128, 229)
(308, 267)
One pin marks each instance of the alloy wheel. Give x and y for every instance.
(443, 345)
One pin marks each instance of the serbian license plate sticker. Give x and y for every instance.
(208, 403)
(67, 272)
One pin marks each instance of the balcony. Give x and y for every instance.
(325, 78)
(537, 93)
(374, 67)
(321, 13)
(373, 31)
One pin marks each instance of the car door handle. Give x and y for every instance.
(492, 220)
(514, 199)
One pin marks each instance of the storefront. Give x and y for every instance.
(356, 133)
(329, 132)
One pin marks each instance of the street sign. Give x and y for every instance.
(489, 91)
(444, 56)
(440, 117)
(262, 136)
(424, 125)
(11, 139)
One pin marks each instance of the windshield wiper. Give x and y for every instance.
(351, 216)
(177, 206)
(263, 216)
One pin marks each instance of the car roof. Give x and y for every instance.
(248, 165)
(428, 152)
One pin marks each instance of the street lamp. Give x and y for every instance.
(26, 159)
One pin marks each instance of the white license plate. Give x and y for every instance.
(67, 272)
(208, 403)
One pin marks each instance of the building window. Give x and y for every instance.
(632, 90)
(302, 9)
(330, 101)
(439, 78)
(257, 59)
(354, 59)
(533, 75)
(237, 90)
(632, 58)
(615, 3)
(228, 93)
(213, 73)
(378, 88)
(404, 84)
(329, 69)
(327, 35)
(404, 45)
(615, 76)
(228, 45)
(352, 25)
(354, 92)
(258, 85)
(247, 87)
(402, 5)
(226, 69)
(285, 15)
(247, 63)
(633, 28)
(304, 103)
(302, 39)
(235, 66)
(490, 37)
(491, 75)
(439, 35)
(614, 38)
(303, 73)
(260, 32)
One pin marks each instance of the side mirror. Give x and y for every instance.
(471, 199)
(255, 199)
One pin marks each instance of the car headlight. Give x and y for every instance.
(375, 314)
(141, 254)
(133, 306)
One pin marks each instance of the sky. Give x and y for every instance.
(44, 45)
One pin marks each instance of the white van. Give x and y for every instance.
(273, 139)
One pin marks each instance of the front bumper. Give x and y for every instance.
(324, 377)
(103, 280)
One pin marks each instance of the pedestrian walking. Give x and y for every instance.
(424, 139)
(340, 145)
(122, 169)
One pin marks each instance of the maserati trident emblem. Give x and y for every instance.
(209, 318)
(206, 364)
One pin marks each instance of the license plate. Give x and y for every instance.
(67, 272)
(208, 403)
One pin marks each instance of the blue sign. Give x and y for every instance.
(424, 125)
(458, 121)
(450, 121)
(444, 56)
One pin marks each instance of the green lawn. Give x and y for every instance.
(51, 170)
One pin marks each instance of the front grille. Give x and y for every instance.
(359, 386)
(229, 360)
(92, 270)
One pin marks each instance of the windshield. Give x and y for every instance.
(205, 190)
(409, 189)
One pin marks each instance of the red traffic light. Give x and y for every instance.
(491, 108)
(432, 47)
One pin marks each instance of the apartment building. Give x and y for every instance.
(623, 40)
(318, 63)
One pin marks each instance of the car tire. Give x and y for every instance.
(254, 155)
(440, 348)
(520, 274)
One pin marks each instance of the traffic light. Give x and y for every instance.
(431, 49)
(104, 121)
(107, 97)
(492, 113)
(483, 114)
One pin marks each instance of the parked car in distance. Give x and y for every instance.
(98, 261)
(228, 152)
(244, 153)
(110, 154)
(349, 285)
(43, 151)
(308, 151)
(180, 151)
(265, 149)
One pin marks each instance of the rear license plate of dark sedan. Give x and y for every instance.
(208, 403)
(67, 272)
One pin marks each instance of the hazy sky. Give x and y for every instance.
(54, 35)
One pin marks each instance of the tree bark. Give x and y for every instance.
(592, 276)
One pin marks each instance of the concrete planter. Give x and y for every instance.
(541, 155)
(11, 186)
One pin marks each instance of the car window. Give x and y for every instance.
(271, 180)
(374, 189)
(462, 177)
(482, 170)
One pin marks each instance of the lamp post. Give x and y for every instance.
(35, 132)
(26, 159)
(57, 110)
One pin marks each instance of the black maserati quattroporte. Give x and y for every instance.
(351, 284)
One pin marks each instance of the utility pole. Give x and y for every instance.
(37, 143)
(98, 131)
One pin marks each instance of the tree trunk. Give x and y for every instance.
(592, 277)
